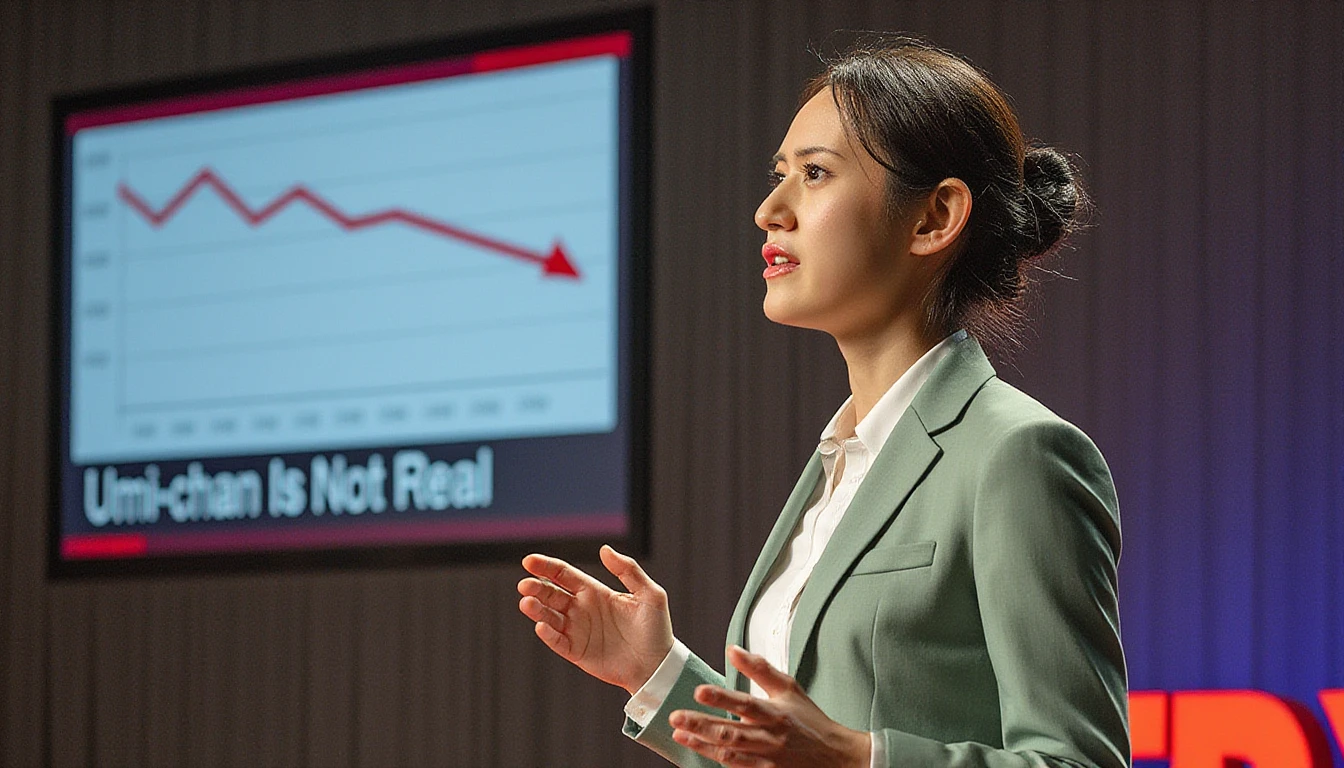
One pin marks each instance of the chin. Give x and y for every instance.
(778, 310)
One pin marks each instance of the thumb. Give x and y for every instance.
(629, 572)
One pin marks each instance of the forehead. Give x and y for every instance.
(817, 122)
(817, 125)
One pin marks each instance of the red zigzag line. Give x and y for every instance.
(556, 262)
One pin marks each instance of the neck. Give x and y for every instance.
(876, 360)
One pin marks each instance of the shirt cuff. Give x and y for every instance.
(879, 758)
(645, 703)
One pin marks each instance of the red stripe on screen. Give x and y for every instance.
(209, 102)
(610, 44)
(104, 546)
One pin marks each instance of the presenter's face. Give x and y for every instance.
(848, 270)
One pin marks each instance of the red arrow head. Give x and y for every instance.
(558, 264)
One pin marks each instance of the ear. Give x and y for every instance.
(942, 217)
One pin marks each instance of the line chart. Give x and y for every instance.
(556, 262)
(434, 262)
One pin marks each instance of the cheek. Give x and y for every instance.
(855, 242)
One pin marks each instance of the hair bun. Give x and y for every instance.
(1054, 198)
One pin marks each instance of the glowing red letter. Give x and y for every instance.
(1220, 729)
(1333, 703)
(1148, 725)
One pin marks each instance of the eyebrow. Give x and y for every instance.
(807, 151)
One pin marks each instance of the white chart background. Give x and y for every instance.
(210, 336)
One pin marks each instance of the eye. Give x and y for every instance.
(814, 172)
(773, 178)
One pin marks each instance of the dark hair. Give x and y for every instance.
(927, 115)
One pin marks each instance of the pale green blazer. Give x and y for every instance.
(965, 608)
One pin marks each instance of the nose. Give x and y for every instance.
(775, 213)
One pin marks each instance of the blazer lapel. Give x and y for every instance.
(908, 454)
(893, 476)
(778, 539)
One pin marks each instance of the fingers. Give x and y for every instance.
(759, 670)
(722, 732)
(755, 667)
(545, 604)
(535, 610)
(631, 574)
(547, 593)
(565, 576)
(723, 738)
(550, 623)
(744, 705)
(553, 638)
(723, 755)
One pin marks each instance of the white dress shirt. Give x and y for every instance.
(847, 452)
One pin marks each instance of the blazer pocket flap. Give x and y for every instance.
(899, 557)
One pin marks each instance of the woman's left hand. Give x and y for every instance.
(787, 729)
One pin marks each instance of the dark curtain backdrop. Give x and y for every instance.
(1198, 336)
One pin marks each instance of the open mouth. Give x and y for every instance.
(774, 254)
(778, 261)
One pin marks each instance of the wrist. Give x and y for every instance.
(649, 667)
(861, 749)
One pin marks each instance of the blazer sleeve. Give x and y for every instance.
(1045, 547)
(658, 735)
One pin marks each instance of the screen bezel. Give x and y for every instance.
(633, 300)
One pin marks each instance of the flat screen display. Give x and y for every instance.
(382, 308)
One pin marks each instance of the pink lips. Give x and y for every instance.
(771, 250)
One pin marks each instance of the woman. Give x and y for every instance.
(940, 588)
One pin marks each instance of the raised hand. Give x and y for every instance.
(787, 729)
(617, 637)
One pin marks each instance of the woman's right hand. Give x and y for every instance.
(617, 637)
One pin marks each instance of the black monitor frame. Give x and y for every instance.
(634, 311)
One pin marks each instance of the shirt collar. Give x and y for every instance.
(877, 426)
